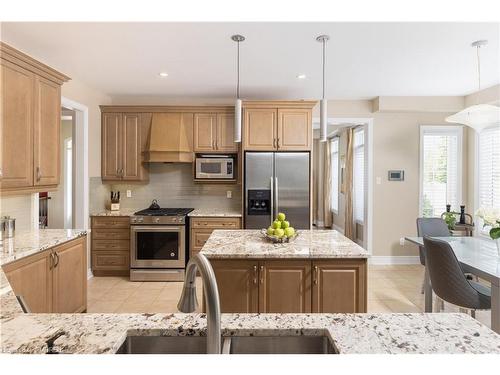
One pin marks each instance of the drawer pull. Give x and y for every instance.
(255, 275)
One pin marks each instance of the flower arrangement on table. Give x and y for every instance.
(491, 218)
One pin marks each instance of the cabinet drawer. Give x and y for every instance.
(104, 222)
(110, 260)
(111, 234)
(199, 237)
(216, 223)
(98, 245)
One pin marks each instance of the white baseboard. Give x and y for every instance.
(386, 260)
(337, 228)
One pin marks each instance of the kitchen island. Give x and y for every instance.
(321, 271)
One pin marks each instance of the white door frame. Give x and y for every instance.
(368, 123)
(80, 152)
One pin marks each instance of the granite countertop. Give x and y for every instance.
(349, 333)
(214, 212)
(26, 243)
(314, 244)
(124, 212)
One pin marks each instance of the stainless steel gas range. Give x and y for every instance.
(159, 243)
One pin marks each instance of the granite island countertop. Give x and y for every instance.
(312, 244)
(26, 243)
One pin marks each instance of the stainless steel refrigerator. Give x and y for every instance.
(277, 182)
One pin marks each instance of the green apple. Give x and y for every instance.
(270, 231)
(285, 224)
(276, 224)
(279, 232)
(281, 216)
(289, 232)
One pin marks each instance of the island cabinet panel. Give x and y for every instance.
(110, 248)
(70, 277)
(31, 279)
(238, 286)
(339, 287)
(285, 286)
(53, 281)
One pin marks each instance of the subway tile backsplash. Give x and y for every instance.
(172, 185)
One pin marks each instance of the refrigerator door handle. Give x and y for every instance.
(272, 200)
(276, 195)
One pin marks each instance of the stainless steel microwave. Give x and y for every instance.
(215, 167)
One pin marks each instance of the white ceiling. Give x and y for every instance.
(364, 59)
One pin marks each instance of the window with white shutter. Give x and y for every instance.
(440, 169)
(359, 175)
(335, 174)
(489, 168)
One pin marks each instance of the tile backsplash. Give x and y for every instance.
(172, 185)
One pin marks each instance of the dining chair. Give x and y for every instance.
(432, 227)
(449, 281)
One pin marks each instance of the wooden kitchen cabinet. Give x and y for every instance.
(202, 227)
(277, 126)
(292, 286)
(214, 132)
(260, 129)
(121, 147)
(31, 278)
(285, 286)
(237, 281)
(30, 123)
(54, 280)
(110, 247)
(339, 287)
(69, 280)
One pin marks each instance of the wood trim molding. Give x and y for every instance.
(11, 54)
(279, 104)
(165, 108)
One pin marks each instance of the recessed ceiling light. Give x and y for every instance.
(301, 76)
(163, 74)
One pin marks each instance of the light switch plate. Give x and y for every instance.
(129, 193)
(229, 194)
(402, 241)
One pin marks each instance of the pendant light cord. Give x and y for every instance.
(324, 58)
(478, 68)
(238, 73)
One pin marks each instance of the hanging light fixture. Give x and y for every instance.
(479, 116)
(323, 107)
(237, 106)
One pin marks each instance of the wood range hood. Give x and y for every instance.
(170, 138)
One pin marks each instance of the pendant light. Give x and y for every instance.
(479, 116)
(237, 106)
(323, 108)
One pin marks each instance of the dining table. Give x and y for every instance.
(477, 255)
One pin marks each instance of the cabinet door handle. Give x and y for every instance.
(57, 259)
(315, 275)
(274, 142)
(51, 261)
(262, 274)
(277, 143)
(38, 174)
(255, 275)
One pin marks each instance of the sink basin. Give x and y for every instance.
(230, 345)
(278, 345)
(164, 345)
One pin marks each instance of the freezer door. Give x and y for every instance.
(259, 174)
(292, 187)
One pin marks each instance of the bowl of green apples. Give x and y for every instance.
(280, 230)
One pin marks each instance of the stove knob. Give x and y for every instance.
(174, 219)
(157, 219)
(133, 220)
(140, 220)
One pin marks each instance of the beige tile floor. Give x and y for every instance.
(394, 288)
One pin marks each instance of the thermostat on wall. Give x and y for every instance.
(396, 175)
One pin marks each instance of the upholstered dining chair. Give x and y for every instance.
(432, 227)
(449, 281)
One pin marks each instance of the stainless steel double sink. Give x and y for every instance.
(230, 345)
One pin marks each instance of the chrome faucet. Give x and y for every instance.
(188, 302)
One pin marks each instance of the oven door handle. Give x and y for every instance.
(157, 228)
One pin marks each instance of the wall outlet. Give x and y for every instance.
(129, 193)
(378, 180)
(402, 241)
(229, 194)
